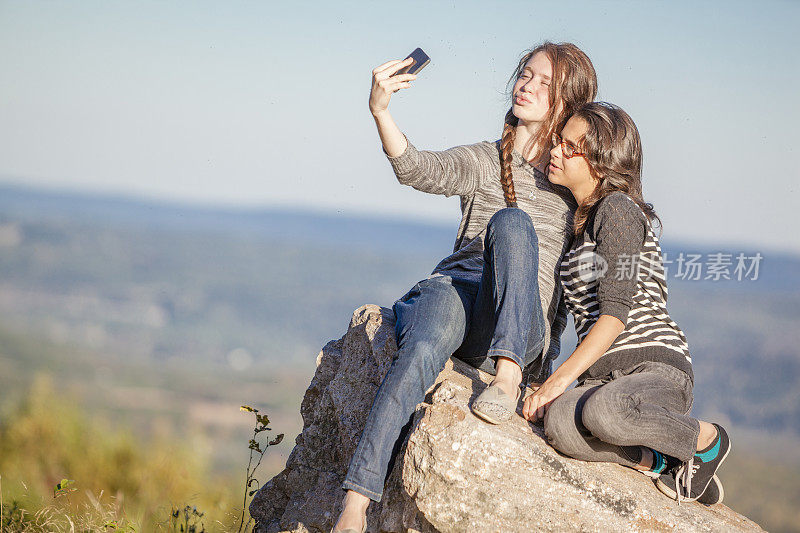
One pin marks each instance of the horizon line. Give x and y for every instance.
(353, 213)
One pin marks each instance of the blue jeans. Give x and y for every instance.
(501, 316)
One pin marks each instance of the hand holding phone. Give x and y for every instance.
(391, 77)
(419, 61)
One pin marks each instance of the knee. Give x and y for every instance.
(604, 415)
(560, 427)
(511, 223)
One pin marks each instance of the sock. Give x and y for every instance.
(710, 452)
(659, 463)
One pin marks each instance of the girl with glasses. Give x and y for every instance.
(633, 366)
(495, 302)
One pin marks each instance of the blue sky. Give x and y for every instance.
(265, 103)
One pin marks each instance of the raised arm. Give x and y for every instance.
(448, 172)
(384, 84)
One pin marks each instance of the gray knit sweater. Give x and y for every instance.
(615, 268)
(473, 173)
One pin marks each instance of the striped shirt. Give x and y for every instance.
(473, 173)
(615, 268)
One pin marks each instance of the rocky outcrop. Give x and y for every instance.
(455, 472)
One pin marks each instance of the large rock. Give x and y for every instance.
(455, 472)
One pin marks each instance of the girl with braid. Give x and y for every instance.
(495, 302)
(633, 365)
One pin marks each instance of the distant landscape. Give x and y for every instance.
(155, 315)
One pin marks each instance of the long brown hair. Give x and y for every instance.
(574, 83)
(613, 150)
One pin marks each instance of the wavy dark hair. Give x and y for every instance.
(574, 84)
(613, 150)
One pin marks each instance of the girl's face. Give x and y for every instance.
(532, 89)
(573, 172)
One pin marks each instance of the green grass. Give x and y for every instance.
(48, 438)
(140, 441)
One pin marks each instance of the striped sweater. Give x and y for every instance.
(473, 173)
(615, 268)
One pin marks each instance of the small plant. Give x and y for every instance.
(187, 520)
(12, 518)
(262, 423)
(63, 488)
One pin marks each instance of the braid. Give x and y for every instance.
(506, 146)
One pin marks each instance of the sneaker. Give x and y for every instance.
(689, 481)
(713, 494)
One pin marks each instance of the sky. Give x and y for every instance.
(262, 104)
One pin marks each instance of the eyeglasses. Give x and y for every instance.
(567, 149)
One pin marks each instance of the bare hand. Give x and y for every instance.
(385, 83)
(536, 404)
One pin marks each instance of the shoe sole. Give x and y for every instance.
(485, 417)
(720, 496)
(652, 475)
(674, 495)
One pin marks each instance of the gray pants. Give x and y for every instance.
(608, 419)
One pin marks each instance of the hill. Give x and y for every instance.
(247, 289)
(156, 314)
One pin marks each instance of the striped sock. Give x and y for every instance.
(659, 463)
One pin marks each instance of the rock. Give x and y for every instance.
(455, 472)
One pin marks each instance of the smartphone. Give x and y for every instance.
(421, 59)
